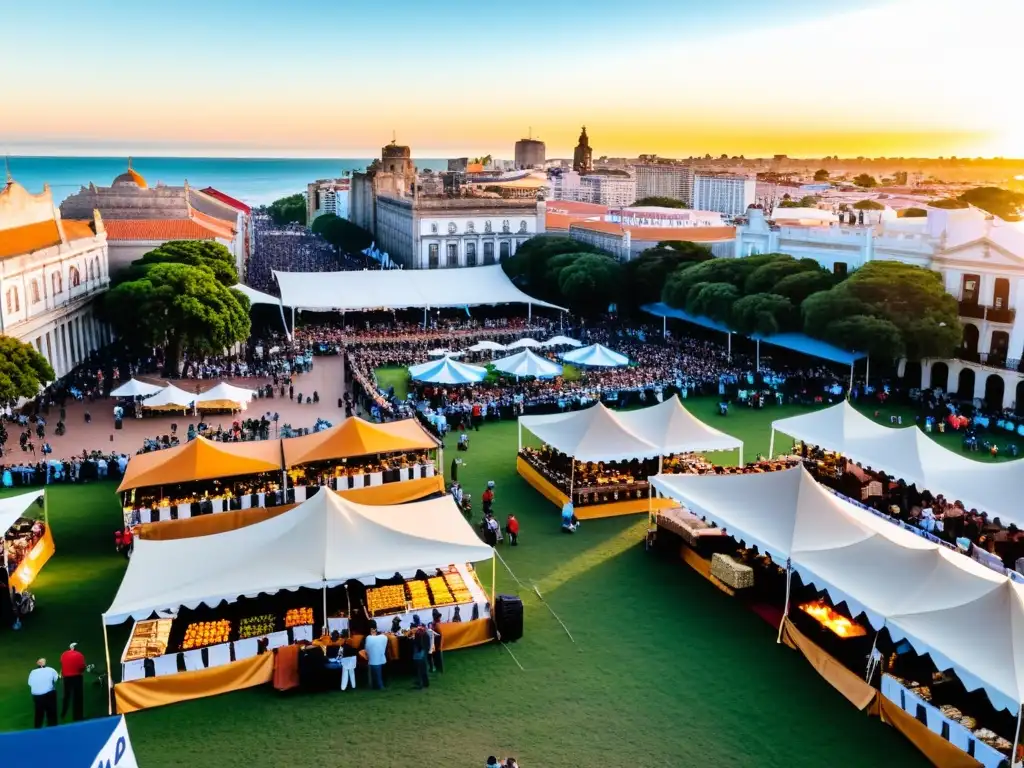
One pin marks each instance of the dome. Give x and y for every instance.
(130, 178)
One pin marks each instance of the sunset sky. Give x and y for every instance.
(674, 77)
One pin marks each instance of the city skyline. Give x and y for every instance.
(892, 78)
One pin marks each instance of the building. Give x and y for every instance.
(727, 194)
(626, 242)
(583, 155)
(613, 188)
(394, 174)
(327, 196)
(530, 153)
(981, 260)
(52, 270)
(139, 218)
(661, 180)
(245, 224)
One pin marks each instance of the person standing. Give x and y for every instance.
(376, 656)
(349, 658)
(512, 529)
(72, 668)
(42, 682)
(488, 497)
(435, 658)
(420, 651)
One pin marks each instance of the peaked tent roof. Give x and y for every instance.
(401, 289)
(254, 296)
(527, 363)
(524, 343)
(225, 393)
(447, 371)
(201, 459)
(597, 355)
(13, 507)
(326, 539)
(170, 397)
(562, 341)
(136, 388)
(485, 345)
(356, 437)
(674, 429)
(593, 434)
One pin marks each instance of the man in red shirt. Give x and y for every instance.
(512, 529)
(72, 667)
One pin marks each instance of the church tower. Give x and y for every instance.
(583, 155)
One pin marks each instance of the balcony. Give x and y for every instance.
(991, 359)
(967, 309)
(994, 315)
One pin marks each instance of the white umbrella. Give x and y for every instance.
(484, 346)
(562, 341)
(135, 388)
(596, 355)
(444, 352)
(447, 371)
(524, 343)
(528, 363)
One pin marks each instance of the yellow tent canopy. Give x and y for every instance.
(201, 459)
(356, 437)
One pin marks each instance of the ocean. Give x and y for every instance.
(256, 181)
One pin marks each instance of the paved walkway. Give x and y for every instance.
(326, 378)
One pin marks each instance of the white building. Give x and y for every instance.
(659, 180)
(729, 195)
(51, 272)
(327, 196)
(981, 260)
(440, 233)
(614, 189)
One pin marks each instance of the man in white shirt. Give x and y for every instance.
(42, 682)
(376, 656)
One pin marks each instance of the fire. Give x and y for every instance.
(839, 624)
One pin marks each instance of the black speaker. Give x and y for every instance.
(508, 617)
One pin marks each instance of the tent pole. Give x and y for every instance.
(771, 445)
(728, 347)
(758, 361)
(1016, 738)
(664, 326)
(519, 425)
(871, 659)
(440, 460)
(529, 312)
(572, 477)
(867, 371)
(110, 682)
(424, 318)
(741, 455)
(785, 610)
(46, 508)
(494, 576)
(650, 503)
(661, 460)
(293, 319)
(849, 392)
(325, 607)
(348, 603)
(284, 322)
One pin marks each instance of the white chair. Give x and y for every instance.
(245, 649)
(337, 624)
(184, 511)
(300, 494)
(165, 514)
(133, 670)
(165, 665)
(376, 478)
(246, 501)
(261, 499)
(218, 655)
(218, 505)
(338, 481)
(277, 639)
(430, 470)
(305, 632)
(193, 660)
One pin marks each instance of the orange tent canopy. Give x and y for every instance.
(201, 459)
(356, 437)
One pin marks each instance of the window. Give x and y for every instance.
(432, 255)
(433, 229)
(470, 228)
(74, 277)
(969, 289)
(96, 264)
(470, 254)
(1001, 294)
(505, 226)
(13, 304)
(452, 229)
(487, 226)
(522, 226)
(453, 254)
(840, 269)
(488, 252)
(35, 291)
(57, 283)
(504, 250)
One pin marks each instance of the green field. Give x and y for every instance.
(665, 670)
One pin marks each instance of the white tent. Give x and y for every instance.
(487, 346)
(323, 542)
(909, 454)
(225, 395)
(254, 296)
(593, 434)
(13, 507)
(966, 616)
(401, 289)
(528, 363)
(674, 429)
(524, 343)
(447, 371)
(562, 341)
(135, 388)
(440, 352)
(596, 355)
(170, 397)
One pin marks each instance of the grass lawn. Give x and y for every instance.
(665, 670)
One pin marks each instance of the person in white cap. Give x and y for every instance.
(72, 667)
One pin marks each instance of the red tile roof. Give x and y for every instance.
(221, 227)
(78, 229)
(557, 221)
(159, 229)
(574, 208)
(236, 204)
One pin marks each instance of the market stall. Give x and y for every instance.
(170, 398)
(600, 459)
(27, 540)
(857, 587)
(207, 607)
(134, 388)
(224, 397)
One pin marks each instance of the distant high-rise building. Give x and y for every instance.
(583, 155)
(726, 194)
(327, 196)
(615, 189)
(530, 153)
(659, 180)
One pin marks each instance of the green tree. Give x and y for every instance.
(23, 371)
(999, 202)
(868, 205)
(764, 278)
(590, 283)
(206, 254)
(733, 271)
(865, 180)
(660, 202)
(808, 201)
(528, 268)
(764, 314)
(821, 175)
(341, 233)
(714, 300)
(798, 286)
(789, 204)
(874, 336)
(949, 203)
(179, 307)
(646, 274)
(913, 213)
(289, 210)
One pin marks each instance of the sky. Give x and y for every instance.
(673, 77)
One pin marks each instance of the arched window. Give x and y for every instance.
(35, 291)
(96, 267)
(13, 304)
(57, 283)
(89, 273)
(74, 277)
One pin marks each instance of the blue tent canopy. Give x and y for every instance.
(103, 741)
(797, 342)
